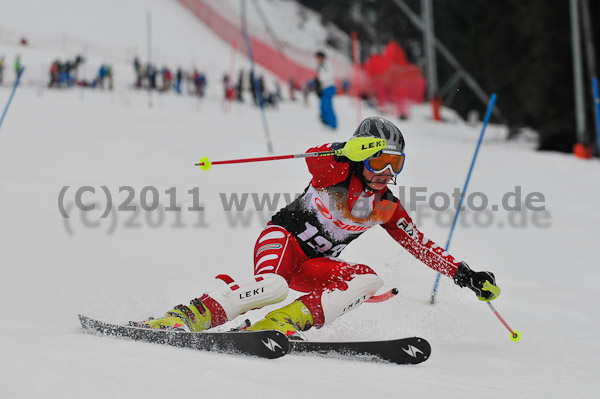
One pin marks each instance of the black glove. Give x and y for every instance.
(482, 283)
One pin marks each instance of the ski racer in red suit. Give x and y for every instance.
(300, 247)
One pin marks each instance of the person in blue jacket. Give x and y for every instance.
(326, 90)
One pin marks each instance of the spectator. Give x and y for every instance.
(178, 79)
(151, 75)
(200, 83)
(268, 98)
(18, 65)
(326, 88)
(102, 72)
(78, 61)
(261, 86)
(293, 87)
(109, 76)
(278, 96)
(54, 74)
(253, 88)
(137, 66)
(306, 89)
(167, 77)
(69, 67)
(195, 75)
(229, 90)
(345, 86)
(239, 87)
(68, 71)
(1, 68)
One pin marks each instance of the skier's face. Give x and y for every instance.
(377, 181)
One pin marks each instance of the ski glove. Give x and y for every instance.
(482, 283)
(358, 149)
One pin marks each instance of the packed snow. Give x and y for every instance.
(131, 265)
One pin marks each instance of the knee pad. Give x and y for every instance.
(337, 302)
(261, 290)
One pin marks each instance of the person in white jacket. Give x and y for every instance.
(326, 90)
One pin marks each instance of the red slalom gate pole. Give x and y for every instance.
(356, 66)
(514, 334)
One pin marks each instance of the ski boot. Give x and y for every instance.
(290, 320)
(193, 318)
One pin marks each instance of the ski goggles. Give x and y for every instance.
(390, 162)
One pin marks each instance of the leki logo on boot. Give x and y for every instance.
(411, 350)
(271, 344)
(252, 293)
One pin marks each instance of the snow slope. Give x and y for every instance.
(132, 265)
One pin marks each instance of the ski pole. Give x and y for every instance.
(358, 148)
(383, 297)
(205, 164)
(488, 114)
(514, 334)
(11, 95)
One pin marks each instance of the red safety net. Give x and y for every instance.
(393, 81)
(264, 55)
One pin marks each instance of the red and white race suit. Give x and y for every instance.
(304, 239)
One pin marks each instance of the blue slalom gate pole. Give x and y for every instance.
(597, 108)
(11, 95)
(486, 119)
(255, 81)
